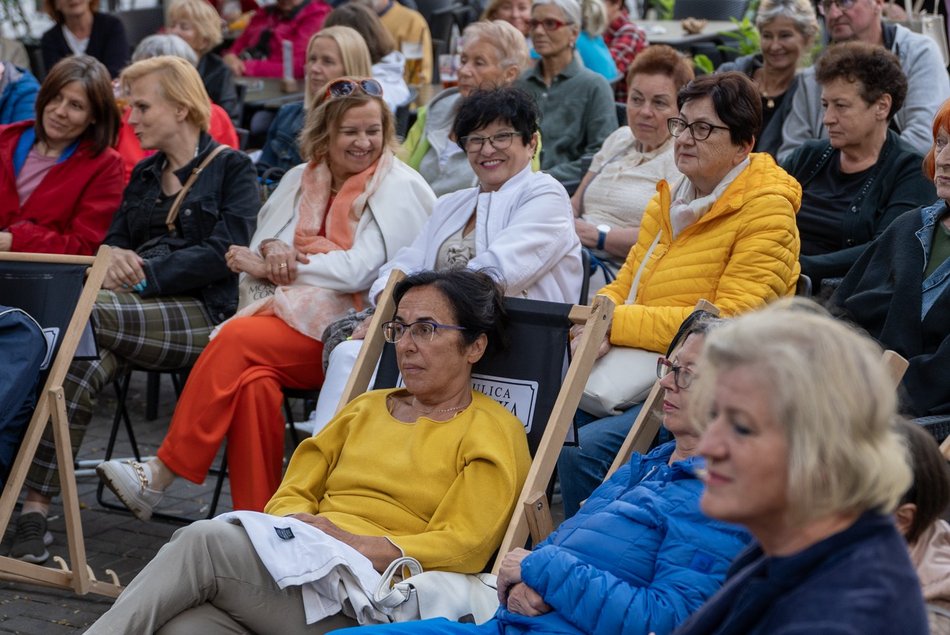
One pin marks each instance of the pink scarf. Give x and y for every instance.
(306, 309)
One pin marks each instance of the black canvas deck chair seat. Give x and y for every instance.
(59, 292)
(532, 379)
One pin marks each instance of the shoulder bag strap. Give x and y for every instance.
(173, 212)
(632, 296)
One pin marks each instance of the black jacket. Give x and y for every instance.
(219, 82)
(219, 210)
(107, 43)
(895, 185)
(882, 294)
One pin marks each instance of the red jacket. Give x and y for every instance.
(71, 209)
(220, 128)
(305, 21)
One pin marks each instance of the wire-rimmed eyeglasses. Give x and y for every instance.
(700, 130)
(682, 376)
(421, 331)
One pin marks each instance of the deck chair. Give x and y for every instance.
(57, 285)
(539, 342)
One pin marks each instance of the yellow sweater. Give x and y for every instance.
(739, 255)
(443, 492)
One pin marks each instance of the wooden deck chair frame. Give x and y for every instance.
(51, 405)
(532, 513)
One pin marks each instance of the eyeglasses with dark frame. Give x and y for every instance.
(499, 141)
(548, 24)
(421, 331)
(843, 5)
(700, 130)
(346, 86)
(682, 376)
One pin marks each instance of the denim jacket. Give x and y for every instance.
(219, 210)
(280, 149)
(938, 281)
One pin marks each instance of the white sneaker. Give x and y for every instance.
(129, 481)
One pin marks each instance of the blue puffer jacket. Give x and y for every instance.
(638, 558)
(18, 89)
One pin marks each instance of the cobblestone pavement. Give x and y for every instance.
(114, 539)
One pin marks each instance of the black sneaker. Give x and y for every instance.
(31, 538)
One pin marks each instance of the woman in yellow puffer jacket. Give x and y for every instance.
(725, 233)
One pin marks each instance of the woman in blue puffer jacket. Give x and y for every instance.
(638, 558)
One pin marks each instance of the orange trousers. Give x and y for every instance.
(234, 392)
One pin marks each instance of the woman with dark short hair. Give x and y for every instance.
(724, 232)
(432, 471)
(863, 176)
(61, 180)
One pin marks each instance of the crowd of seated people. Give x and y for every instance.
(684, 203)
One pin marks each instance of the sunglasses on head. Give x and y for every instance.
(346, 86)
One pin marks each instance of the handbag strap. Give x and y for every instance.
(387, 594)
(173, 212)
(632, 296)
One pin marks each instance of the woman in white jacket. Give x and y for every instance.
(516, 224)
(320, 242)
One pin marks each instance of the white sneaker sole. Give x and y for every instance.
(117, 484)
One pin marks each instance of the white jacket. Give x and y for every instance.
(389, 73)
(524, 231)
(394, 215)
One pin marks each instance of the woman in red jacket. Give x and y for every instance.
(60, 179)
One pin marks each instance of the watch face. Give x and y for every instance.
(603, 228)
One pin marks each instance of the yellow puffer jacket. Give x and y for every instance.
(741, 254)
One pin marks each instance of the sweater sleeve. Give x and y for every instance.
(927, 89)
(599, 119)
(114, 46)
(471, 519)
(91, 213)
(798, 128)
(596, 601)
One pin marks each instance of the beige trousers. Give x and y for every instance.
(208, 579)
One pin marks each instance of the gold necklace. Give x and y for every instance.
(417, 408)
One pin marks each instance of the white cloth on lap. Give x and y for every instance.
(333, 576)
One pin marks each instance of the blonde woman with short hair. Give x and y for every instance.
(797, 412)
(198, 24)
(168, 284)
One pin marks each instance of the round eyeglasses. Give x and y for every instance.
(682, 376)
(700, 130)
(422, 331)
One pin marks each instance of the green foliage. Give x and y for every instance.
(745, 38)
(704, 64)
(664, 8)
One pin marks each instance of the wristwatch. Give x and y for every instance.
(602, 231)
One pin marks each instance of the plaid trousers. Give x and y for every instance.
(163, 333)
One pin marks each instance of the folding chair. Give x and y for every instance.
(56, 285)
(527, 378)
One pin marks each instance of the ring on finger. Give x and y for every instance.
(283, 265)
